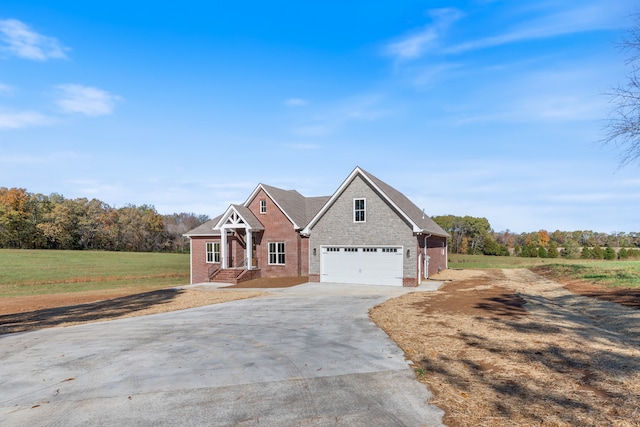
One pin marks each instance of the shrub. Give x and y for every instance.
(609, 253)
(623, 254)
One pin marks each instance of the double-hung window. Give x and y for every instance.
(276, 253)
(359, 209)
(213, 252)
(263, 206)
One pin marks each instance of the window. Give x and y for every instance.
(389, 250)
(276, 253)
(351, 249)
(370, 249)
(213, 252)
(358, 210)
(263, 206)
(333, 249)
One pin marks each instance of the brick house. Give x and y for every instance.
(366, 232)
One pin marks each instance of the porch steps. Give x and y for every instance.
(234, 276)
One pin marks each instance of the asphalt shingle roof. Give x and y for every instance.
(301, 210)
(205, 229)
(249, 217)
(416, 214)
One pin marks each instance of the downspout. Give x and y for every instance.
(426, 267)
(446, 254)
(190, 260)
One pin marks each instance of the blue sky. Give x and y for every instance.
(483, 108)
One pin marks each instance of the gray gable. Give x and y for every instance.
(421, 223)
(416, 214)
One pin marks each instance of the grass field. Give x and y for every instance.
(37, 272)
(606, 273)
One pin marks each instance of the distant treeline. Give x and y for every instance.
(471, 235)
(36, 221)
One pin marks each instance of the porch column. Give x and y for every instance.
(249, 248)
(223, 248)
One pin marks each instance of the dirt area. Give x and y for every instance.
(509, 347)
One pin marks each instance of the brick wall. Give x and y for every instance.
(437, 251)
(278, 228)
(199, 265)
(382, 226)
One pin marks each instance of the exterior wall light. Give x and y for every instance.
(408, 253)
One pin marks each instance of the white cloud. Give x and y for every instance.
(415, 45)
(296, 102)
(18, 39)
(586, 17)
(87, 100)
(5, 88)
(355, 109)
(22, 119)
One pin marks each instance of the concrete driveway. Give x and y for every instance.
(307, 355)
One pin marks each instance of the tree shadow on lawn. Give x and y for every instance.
(90, 312)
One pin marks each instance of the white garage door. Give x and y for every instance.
(369, 265)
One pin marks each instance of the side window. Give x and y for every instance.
(216, 252)
(359, 210)
(213, 251)
(263, 206)
(209, 251)
(276, 253)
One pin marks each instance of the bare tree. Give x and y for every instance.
(623, 125)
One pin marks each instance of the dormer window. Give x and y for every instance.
(263, 206)
(359, 209)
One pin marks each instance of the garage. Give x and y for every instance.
(375, 265)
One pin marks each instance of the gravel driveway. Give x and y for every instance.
(307, 355)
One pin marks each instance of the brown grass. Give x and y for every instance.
(507, 348)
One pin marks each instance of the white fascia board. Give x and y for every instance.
(416, 227)
(255, 193)
(223, 218)
(220, 225)
(307, 230)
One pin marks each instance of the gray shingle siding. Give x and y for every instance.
(382, 226)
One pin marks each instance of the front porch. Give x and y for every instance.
(238, 258)
(233, 275)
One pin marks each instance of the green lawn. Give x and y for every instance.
(33, 272)
(607, 273)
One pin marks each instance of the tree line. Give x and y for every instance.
(37, 221)
(472, 235)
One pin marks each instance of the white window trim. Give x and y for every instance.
(214, 254)
(263, 206)
(277, 253)
(364, 210)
